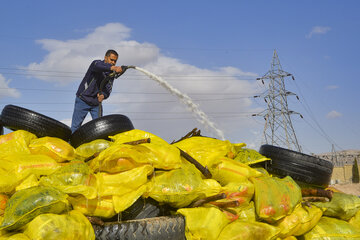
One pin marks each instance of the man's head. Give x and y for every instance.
(111, 57)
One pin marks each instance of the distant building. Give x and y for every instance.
(346, 166)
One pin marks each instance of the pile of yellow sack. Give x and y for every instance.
(47, 188)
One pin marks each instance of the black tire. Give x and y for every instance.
(145, 208)
(101, 128)
(18, 118)
(172, 228)
(301, 167)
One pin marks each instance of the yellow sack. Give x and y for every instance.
(16, 142)
(135, 135)
(203, 223)
(56, 148)
(73, 225)
(248, 231)
(118, 158)
(228, 170)
(300, 221)
(89, 149)
(355, 220)
(122, 202)
(246, 213)
(249, 156)
(342, 205)
(23, 165)
(332, 229)
(3, 200)
(122, 183)
(73, 178)
(275, 198)
(123, 157)
(25, 205)
(182, 186)
(14, 236)
(30, 181)
(207, 150)
(98, 207)
(7, 181)
(241, 192)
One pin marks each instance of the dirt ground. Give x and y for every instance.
(351, 188)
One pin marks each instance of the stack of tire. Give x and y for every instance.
(146, 219)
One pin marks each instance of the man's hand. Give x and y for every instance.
(100, 97)
(116, 69)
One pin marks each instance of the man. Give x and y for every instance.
(88, 95)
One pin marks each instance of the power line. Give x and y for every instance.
(141, 93)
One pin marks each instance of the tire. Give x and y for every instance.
(301, 167)
(145, 208)
(18, 118)
(172, 228)
(101, 128)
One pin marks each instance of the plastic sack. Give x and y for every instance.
(73, 178)
(332, 229)
(30, 181)
(56, 148)
(73, 225)
(14, 236)
(249, 156)
(17, 167)
(7, 181)
(122, 202)
(182, 186)
(300, 221)
(275, 198)
(117, 158)
(135, 135)
(98, 207)
(123, 157)
(228, 170)
(87, 150)
(248, 230)
(203, 223)
(342, 205)
(207, 150)
(3, 200)
(355, 220)
(16, 142)
(25, 205)
(23, 165)
(122, 183)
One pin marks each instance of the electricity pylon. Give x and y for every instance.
(278, 129)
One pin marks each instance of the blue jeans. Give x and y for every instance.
(81, 109)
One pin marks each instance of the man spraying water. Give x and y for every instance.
(90, 95)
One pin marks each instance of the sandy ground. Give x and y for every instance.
(351, 188)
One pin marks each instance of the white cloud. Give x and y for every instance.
(333, 114)
(318, 30)
(5, 90)
(332, 87)
(218, 92)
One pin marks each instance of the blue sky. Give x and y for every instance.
(212, 51)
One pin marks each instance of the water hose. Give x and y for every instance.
(109, 77)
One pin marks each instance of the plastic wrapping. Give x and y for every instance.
(275, 198)
(26, 204)
(73, 225)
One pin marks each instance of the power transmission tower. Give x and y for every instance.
(278, 129)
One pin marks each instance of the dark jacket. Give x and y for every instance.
(89, 86)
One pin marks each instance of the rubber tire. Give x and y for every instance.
(101, 128)
(172, 228)
(145, 208)
(301, 167)
(18, 118)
